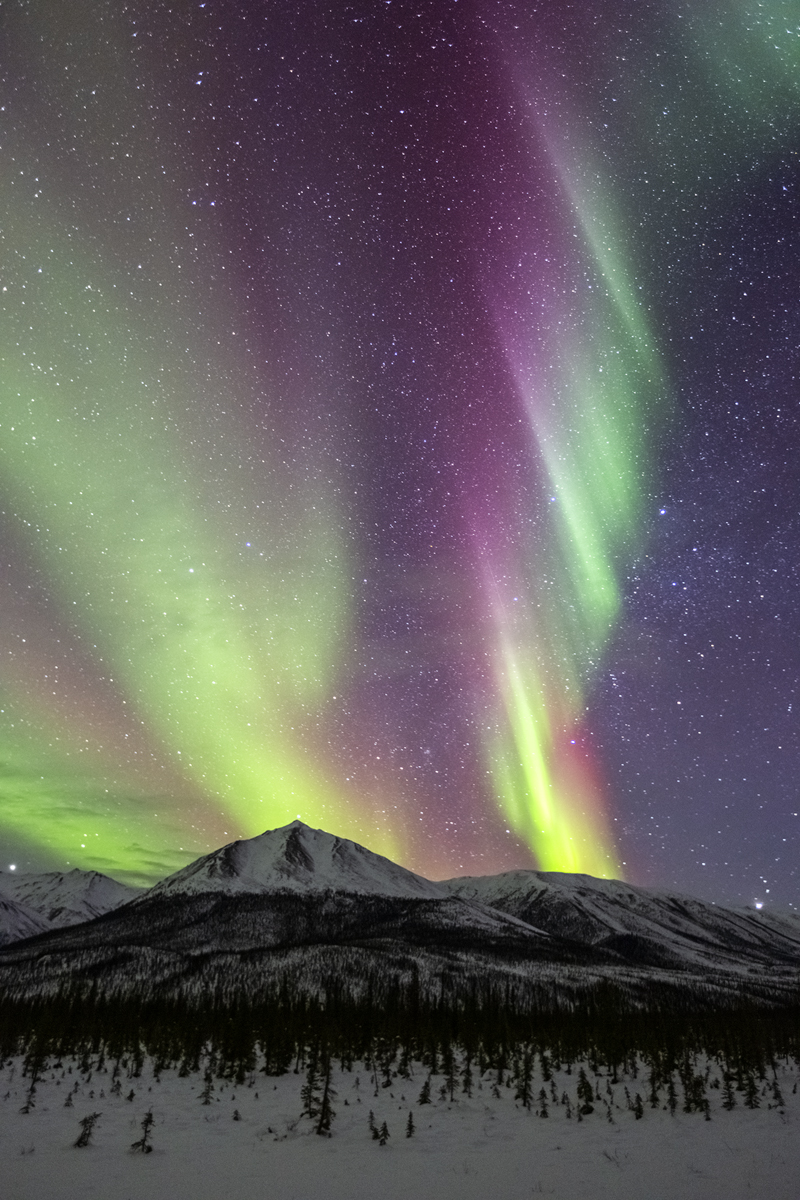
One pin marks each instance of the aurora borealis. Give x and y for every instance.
(399, 429)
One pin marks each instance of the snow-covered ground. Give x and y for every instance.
(472, 1149)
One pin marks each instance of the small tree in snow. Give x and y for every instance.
(450, 1071)
(143, 1143)
(310, 1092)
(326, 1110)
(87, 1125)
(524, 1090)
(466, 1077)
(672, 1095)
(751, 1092)
(585, 1095)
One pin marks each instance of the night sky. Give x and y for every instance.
(400, 429)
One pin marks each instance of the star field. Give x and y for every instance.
(399, 430)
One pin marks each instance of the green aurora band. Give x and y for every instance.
(230, 657)
(592, 384)
(589, 386)
(166, 685)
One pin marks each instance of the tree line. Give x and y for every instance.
(485, 1031)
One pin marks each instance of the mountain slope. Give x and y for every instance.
(18, 922)
(64, 898)
(300, 909)
(640, 924)
(298, 859)
(251, 923)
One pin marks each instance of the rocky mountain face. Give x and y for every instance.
(300, 908)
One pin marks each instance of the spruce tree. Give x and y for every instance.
(653, 1082)
(310, 1092)
(585, 1095)
(326, 1110)
(524, 1089)
(449, 1069)
(87, 1125)
(208, 1088)
(672, 1095)
(751, 1092)
(466, 1077)
(143, 1143)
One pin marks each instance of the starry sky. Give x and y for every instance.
(399, 430)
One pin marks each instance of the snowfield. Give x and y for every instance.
(249, 1141)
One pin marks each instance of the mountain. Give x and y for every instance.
(18, 921)
(299, 912)
(638, 923)
(63, 898)
(228, 921)
(297, 859)
(297, 886)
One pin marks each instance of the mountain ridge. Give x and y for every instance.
(57, 899)
(603, 912)
(18, 922)
(294, 905)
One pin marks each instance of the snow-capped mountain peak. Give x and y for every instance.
(66, 897)
(296, 858)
